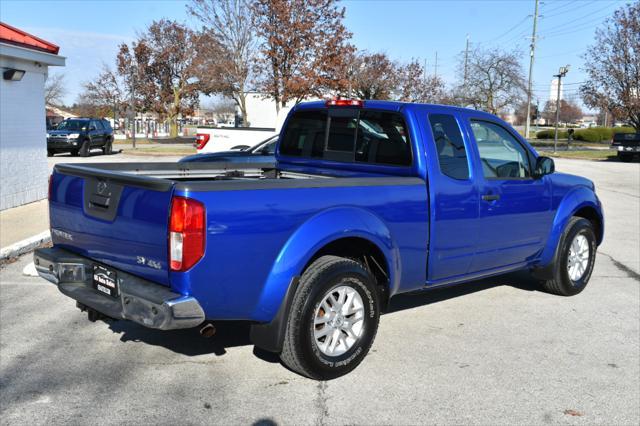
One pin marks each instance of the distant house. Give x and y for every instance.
(24, 61)
(56, 115)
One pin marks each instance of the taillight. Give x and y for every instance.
(50, 191)
(201, 140)
(186, 233)
(345, 102)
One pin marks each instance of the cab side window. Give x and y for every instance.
(452, 155)
(501, 154)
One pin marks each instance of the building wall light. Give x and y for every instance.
(13, 74)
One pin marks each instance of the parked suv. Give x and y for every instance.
(80, 136)
(627, 145)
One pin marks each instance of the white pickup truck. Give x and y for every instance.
(216, 139)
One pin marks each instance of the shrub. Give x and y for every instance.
(588, 135)
(550, 134)
(592, 134)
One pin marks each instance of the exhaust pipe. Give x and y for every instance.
(208, 330)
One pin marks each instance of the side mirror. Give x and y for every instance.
(544, 166)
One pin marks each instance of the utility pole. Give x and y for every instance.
(532, 55)
(466, 58)
(561, 73)
(133, 107)
(424, 72)
(435, 66)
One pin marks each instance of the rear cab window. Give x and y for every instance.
(452, 155)
(348, 135)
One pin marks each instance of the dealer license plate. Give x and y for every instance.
(104, 280)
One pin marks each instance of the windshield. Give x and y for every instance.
(72, 125)
(267, 146)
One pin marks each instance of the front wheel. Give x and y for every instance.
(623, 156)
(575, 259)
(85, 148)
(333, 320)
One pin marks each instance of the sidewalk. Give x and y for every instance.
(23, 228)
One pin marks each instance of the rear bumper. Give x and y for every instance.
(139, 300)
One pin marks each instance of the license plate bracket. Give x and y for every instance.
(105, 281)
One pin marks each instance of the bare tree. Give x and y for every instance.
(54, 89)
(227, 49)
(304, 48)
(416, 86)
(613, 66)
(569, 111)
(107, 90)
(494, 82)
(372, 75)
(521, 112)
(160, 68)
(224, 110)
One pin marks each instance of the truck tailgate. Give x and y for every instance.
(106, 218)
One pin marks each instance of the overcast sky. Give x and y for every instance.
(88, 32)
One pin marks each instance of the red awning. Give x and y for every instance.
(12, 35)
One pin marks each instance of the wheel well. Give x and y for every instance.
(365, 252)
(591, 215)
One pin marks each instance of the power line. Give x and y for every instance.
(577, 20)
(565, 11)
(564, 4)
(573, 30)
(509, 30)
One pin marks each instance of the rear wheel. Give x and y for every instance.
(575, 259)
(333, 320)
(108, 147)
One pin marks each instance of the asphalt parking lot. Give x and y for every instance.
(489, 352)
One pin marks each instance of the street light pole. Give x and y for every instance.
(561, 73)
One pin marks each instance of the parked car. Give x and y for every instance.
(264, 152)
(370, 199)
(79, 136)
(627, 145)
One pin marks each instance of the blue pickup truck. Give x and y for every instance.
(368, 199)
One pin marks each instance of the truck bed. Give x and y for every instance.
(118, 213)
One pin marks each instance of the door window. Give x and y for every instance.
(452, 155)
(501, 154)
(97, 125)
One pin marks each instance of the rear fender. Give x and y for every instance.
(320, 230)
(572, 202)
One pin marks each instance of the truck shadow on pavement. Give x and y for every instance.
(236, 333)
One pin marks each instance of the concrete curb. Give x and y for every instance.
(24, 246)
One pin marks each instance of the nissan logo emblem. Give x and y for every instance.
(102, 187)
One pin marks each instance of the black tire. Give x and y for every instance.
(561, 283)
(74, 152)
(50, 153)
(625, 157)
(300, 352)
(107, 148)
(85, 148)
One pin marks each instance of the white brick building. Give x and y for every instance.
(24, 63)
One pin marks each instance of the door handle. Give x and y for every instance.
(490, 197)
